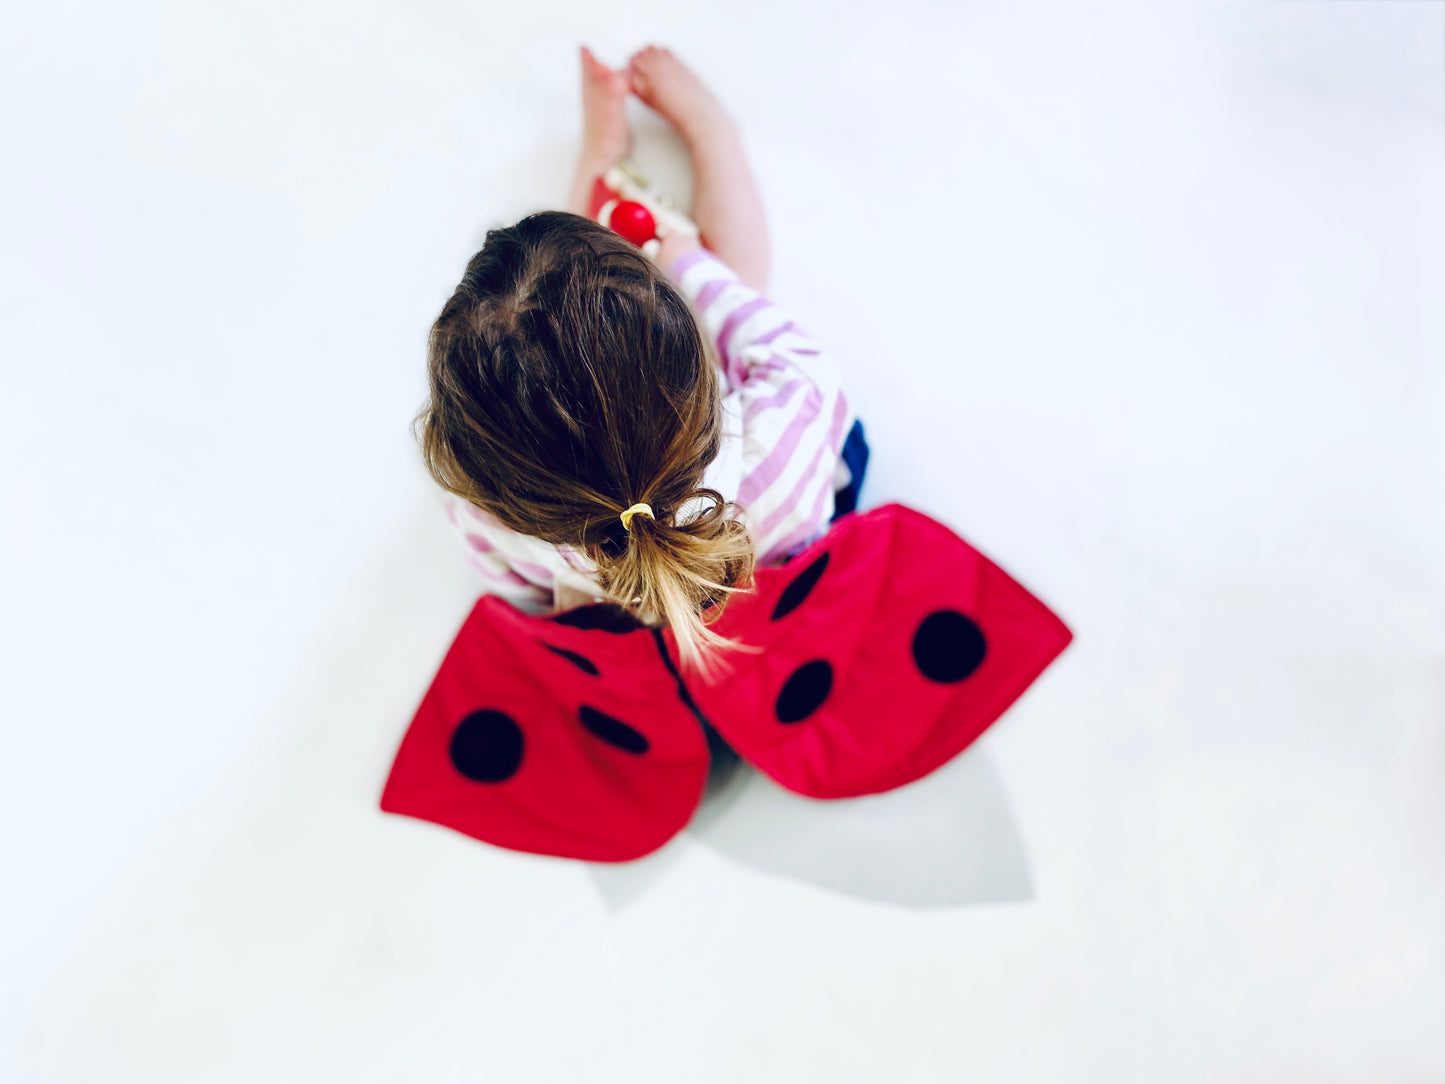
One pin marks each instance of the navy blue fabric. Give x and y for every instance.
(855, 454)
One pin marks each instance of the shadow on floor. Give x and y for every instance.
(948, 840)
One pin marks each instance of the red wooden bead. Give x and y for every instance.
(634, 222)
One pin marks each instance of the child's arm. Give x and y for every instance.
(489, 548)
(785, 413)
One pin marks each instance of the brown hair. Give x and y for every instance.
(569, 380)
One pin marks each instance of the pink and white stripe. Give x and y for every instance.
(789, 395)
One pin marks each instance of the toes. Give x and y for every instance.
(637, 78)
(643, 58)
(590, 64)
(597, 74)
(639, 68)
(644, 67)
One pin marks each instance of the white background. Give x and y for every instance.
(1147, 302)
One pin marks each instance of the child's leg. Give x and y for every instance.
(605, 134)
(726, 204)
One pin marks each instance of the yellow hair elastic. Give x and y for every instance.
(627, 516)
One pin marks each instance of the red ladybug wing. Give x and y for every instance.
(555, 738)
(890, 645)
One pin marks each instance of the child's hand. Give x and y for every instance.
(674, 246)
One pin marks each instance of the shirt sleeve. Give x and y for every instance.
(785, 415)
(526, 585)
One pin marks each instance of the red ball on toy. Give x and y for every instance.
(633, 221)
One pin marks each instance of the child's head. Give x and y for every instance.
(569, 380)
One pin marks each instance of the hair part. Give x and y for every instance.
(568, 381)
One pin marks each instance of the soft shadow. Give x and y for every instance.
(948, 840)
(620, 884)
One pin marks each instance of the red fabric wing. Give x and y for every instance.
(891, 644)
(548, 737)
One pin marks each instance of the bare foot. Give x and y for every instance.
(669, 86)
(726, 203)
(605, 134)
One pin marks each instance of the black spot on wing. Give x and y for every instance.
(586, 665)
(948, 646)
(604, 616)
(804, 692)
(613, 731)
(487, 746)
(802, 585)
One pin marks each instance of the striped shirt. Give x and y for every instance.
(785, 418)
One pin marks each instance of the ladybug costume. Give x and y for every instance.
(889, 646)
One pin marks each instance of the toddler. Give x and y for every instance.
(613, 429)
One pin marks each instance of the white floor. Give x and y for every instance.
(1147, 302)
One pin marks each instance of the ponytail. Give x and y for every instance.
(676, 572)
